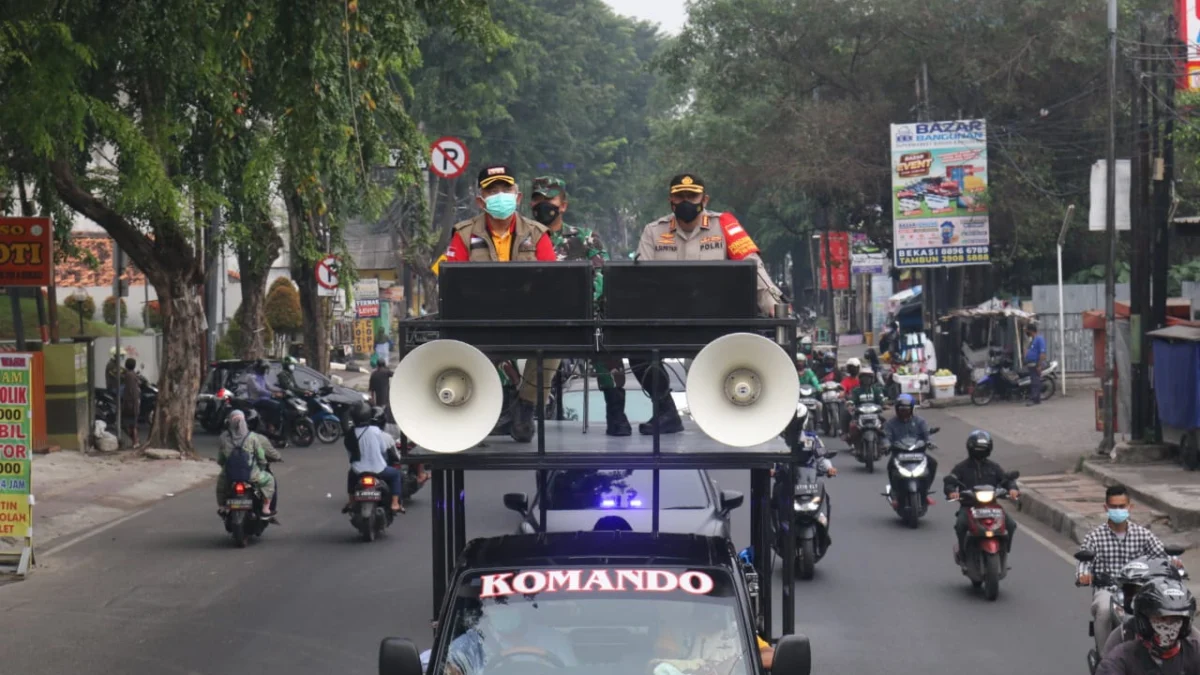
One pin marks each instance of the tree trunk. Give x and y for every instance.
(253, 314)
(312, 306)
(180, 369)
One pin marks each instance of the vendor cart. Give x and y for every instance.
(988, 332)
(1177, 388)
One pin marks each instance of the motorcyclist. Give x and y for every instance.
(976, 470)
(258, 452)
(867, 391)
(806, 374)
(1134, 576)
(370, 449)
(264, 395)
(907, 425)
(829, 367)
(286, 379)
(889, 343)
(850, 381)
(1162, 612)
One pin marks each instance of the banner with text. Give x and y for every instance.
(839, 250)
(16, 431)
(939, 187)
(865, 256)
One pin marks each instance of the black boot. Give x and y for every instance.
(614, 413)
(522, 422)
(668, 419)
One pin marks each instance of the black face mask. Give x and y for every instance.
(686, 212)
(545, 212)
(978, 454)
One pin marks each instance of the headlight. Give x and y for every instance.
(811, 505)
(300, 406)
(916, 471)
(984, 496)
(366, 398)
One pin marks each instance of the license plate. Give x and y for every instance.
(808, 489)
(239, 504)
(367, 495)
(911, 457)
(987, 513)
(829, 396)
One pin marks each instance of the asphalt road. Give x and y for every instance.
(165, 592)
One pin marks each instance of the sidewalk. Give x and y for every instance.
(77, 492)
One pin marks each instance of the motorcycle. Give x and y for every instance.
(984, 558)
(867, 448)
(106, 404)
(242, 512)
(908, 467)
(296, 428)
(369, 512)
(1116, 603)
(811, 504)
(831, 402)
(808, 398)
(325, 421)
(1000, 380)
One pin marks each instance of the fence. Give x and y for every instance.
(1077, 299)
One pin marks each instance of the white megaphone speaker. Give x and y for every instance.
(742, 390)
(446, 396)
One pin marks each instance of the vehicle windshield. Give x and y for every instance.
(602, 620)
(624, 489)
(638, 406)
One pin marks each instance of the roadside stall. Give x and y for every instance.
(1177, 388)
(988, 332)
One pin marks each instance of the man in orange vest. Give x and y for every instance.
(500, 234)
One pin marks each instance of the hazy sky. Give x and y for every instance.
(670, 14)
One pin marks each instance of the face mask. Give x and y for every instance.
(1166, 630)
(977, 454)
(686, 212)
(501, 205)
(1118, 516)
(545, 213)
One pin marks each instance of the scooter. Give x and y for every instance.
(908, 466)
(811, 504)
(868, 448)
(106, 404)
(1002, 381)
(296, 428)
(831, 413)
(242, 512)
(327, 424)
(369, 512)
(808, 398)
(984, 558)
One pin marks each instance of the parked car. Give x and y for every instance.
(228, 374)
(577, 498)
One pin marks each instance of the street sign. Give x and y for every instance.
(449, 157)
(327, 276)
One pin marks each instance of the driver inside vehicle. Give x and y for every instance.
(507, 633)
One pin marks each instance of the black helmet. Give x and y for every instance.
(377, 417)
(252, 419)
(904, 406)
(262, 366)
(362, 414)
(1161, 598)
(979, 444)
(1138, 572)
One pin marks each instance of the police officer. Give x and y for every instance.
(692, 232)
(580, 243)
(500, 234)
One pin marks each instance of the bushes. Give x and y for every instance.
(283, 307)
(152, 315)
(110, 311)
(233, 345)
(88, 306)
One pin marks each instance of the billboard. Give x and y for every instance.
(939, 190)
(865, 256)
(839, 250)
(1188, 12)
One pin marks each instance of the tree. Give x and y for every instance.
(87, 308)
(283, 307)
(110, 311)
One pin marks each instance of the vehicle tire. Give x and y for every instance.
(366, 521)
(912, 517)
(806, 559)
(328, 431)
(1049, 385)
(150, 418)
(302, 432)
(1189, 450)
(869, 455)
(991, 577)
(237, 527)
(982, 393)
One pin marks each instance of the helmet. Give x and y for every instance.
(806, 340)
(1138, 572)
(252, 420)
(261, 366)
(904, 406)
(865, 372)
(830, 359)
(362, 414)
(377, 417)
(289, 363)
(853, 363)
(1153, 610)
(801, 360)
(979, 444)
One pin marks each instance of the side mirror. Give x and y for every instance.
(1013, 475)
(731, 499)
(1174, 551)
(398, 656)
(934, 430)
(326, 390)
(793, 656)
(517, 501)
(1085, 556)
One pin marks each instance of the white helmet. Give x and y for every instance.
(806, 340)
(853, 363)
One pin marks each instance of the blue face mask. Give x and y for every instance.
(501, 206)
(1118, 516)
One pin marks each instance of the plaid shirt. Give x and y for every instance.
(1113, 552)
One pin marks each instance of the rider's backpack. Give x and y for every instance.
(350, 439)
(239, 465)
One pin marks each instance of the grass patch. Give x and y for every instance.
(68, 322)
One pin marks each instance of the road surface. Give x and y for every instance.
(165, 592)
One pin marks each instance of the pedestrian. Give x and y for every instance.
(1034, 359)
(131, 399)
(380, 387)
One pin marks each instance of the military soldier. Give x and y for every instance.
(580, 243)
(500, 234)
(693, 232)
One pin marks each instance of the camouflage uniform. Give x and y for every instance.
(582, 243)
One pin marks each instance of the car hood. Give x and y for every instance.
(683, 521)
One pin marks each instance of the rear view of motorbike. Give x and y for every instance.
(369, 512)
(870, 429)
(243, 513)
(831, 414)
(811, 504)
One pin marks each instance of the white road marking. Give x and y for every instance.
(1054, 548)
(91, 533)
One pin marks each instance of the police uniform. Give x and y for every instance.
(524, 241)
(581, 243)
(718, 236)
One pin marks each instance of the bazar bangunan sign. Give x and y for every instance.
(939, 185)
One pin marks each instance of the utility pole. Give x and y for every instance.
(119, 269)
(1144, 121)
(1164, 188)
(1110, 226)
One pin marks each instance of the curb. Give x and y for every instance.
(1052, 513)
(1181, 519)
(952, 402)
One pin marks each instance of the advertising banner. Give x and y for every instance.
(939, 185)
(26, 251)
(16, 433)
(366, 309)
(1188, 12)
(865, 256)
(839, 250)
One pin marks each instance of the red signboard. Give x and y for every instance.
(839, 250)
(366, 309)
(26, 251)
